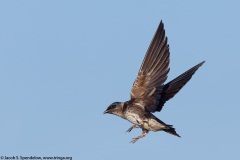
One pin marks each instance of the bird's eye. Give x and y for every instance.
(113, 106)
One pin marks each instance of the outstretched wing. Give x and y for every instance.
(174, 86)
(153, 72)
(148, 88)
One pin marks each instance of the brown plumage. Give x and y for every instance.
(148, 93)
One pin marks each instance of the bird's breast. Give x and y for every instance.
(134, 118)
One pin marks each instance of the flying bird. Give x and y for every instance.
(149, 93)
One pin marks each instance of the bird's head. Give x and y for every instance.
(115, 108)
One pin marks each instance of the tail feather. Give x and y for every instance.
(171, 130)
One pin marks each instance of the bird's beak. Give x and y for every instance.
(105, 112)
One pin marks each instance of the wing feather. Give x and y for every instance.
(173, 87)
(154, 68)
(148, 88)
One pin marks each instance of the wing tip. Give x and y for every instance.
(202, 63)
(199, 65)
(161, 24)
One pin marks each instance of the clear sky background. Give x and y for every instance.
(63, 62)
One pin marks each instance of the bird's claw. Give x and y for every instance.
(141, 136)
(134, 140)
(130, 129)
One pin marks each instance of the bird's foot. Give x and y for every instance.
(135, 140)
(144, 133)
(134, 126)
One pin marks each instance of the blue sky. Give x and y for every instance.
(63, 62)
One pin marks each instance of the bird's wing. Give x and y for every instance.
(173, 87)
(148, 85)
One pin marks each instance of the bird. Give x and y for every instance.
(149, 93)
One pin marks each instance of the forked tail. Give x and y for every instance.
(171, 130)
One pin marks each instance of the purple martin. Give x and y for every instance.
(149, 93)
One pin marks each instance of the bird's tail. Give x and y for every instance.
(171, 130)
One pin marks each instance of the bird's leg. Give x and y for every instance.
(134, 126)
(144, 133)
